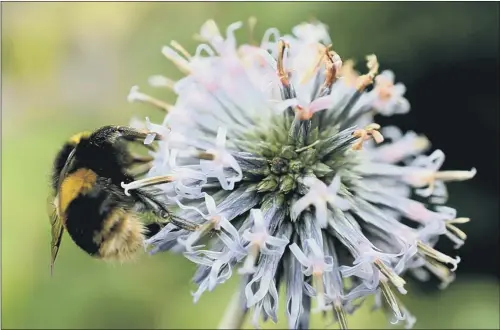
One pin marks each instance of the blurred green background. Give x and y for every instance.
(67, 67)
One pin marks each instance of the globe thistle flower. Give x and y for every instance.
(273, 152)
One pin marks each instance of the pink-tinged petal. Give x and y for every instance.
(322, 103)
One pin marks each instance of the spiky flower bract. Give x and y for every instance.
(271, 149)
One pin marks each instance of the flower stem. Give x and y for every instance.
(235, 313)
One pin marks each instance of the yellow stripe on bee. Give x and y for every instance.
(75, 139)
(76, 183)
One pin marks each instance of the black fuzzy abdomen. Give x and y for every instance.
(87, 213)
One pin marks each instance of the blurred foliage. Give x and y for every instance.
(68, 67)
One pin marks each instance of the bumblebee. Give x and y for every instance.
(90, 203)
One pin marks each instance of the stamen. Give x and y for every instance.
(146, 182)
(390, 298)
(161, 81)
(367, 79)
(135, 95)
(341, 315)
(436, 255)
(178, 47)
(282, 74)
(205, 155)
(252, 21)
(395, 279)
(455, 175)
(201, 230)
(333, 65)
(442, 272)
(370, 131)
(458, 232)
(179, 62)
(458, 220)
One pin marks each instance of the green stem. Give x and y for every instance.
(234, 316)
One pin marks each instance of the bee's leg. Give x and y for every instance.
(161, 211)
(133, 134)
(139, 136)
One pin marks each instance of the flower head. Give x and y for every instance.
(272, 152)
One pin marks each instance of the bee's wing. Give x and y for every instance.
(57, 230)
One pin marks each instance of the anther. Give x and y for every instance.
(252, 21)
(395, 279)
(205, 155)
(370, 131)
(436, 255)
(442, 272)
(367, 79)
(391, 299)
(429, 178)
(341, 315)
(178, 47)
(178, 60)
(333, 65)
(282, 74)
(450, 225)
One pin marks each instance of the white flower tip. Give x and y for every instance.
(402, 290)
(134, 94)
(126, 187)
(196, 297)
(166, 51)
(455, 263)
(246, 270)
